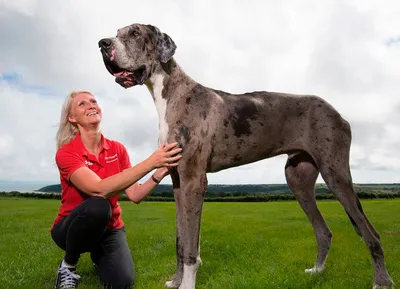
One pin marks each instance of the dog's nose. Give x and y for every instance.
(105, 43)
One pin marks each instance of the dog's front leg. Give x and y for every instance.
(189, 203)
(190, 211)
(177, 280)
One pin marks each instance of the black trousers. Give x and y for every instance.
(84, 230)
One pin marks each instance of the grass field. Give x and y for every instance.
(243, 245)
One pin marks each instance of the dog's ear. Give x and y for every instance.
(165, 46)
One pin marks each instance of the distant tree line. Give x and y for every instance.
(237, 193)
(214, 190)
(222, 197)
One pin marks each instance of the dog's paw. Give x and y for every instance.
(376, 286)
(390, 286)
(314, 270)
(172, 284)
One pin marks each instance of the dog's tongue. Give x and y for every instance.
(129, 79)
(125, 81)
(122, 74)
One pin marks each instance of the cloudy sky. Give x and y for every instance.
(345, 51)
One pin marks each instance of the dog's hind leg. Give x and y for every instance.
(368, 222)
(338, 179)
(301, 174)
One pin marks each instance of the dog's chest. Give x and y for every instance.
(161, 106)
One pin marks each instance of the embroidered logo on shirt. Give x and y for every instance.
(112, 158)
(88, 163)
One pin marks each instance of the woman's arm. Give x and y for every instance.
(138, 192)
(90, 183)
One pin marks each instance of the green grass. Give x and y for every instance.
(243, 245)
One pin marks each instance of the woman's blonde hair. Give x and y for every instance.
(66, 130)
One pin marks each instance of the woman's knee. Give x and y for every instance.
(98, 208)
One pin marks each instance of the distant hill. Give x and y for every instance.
(241, 190)
(50, 189)
(161, 188)
(232, 193)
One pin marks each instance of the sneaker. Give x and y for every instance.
(67, 278)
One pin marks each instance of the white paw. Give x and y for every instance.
(376, 286)
(171, 284)
(314, 270)
(189, 276)
(183, 286)
(387, 286)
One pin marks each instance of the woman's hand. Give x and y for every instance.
(160, 173)
(166, 156)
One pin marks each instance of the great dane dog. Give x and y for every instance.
(219, 130)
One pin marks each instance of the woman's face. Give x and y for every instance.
(85, 110)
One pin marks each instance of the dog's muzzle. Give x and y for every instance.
(124, 77)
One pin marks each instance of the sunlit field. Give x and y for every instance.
(243, 245)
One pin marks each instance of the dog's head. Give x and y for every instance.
(132, 55)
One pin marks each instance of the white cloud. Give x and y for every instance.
(27, 133)
(336, 49)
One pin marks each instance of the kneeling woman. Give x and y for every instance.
(93, 172)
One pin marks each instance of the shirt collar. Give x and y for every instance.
(78, 144)
(105, 143)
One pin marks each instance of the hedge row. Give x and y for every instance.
(247, 198)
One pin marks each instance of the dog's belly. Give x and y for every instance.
(245, 151)
(220, 163)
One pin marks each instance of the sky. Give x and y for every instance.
(345, 51)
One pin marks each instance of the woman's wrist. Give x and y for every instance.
(148, 165)
(155, 179)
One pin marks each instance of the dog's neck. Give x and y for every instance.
(165, 83)
(156, 84)
(169, 77)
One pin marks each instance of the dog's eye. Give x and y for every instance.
(134, 33)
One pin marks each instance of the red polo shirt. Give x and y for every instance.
(113, 158)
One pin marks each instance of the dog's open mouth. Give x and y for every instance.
(124, 77)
